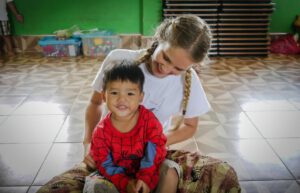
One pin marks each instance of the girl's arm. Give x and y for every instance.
(92, 117)
(185, 130)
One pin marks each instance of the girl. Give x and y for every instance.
(171, 87)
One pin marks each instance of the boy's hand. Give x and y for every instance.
(142, 187)
(131, 186)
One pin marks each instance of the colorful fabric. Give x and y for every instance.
(136, 154)
(71, 181)
(201, 174)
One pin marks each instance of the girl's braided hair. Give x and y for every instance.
(188, 32)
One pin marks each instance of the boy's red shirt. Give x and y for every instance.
(136, 154)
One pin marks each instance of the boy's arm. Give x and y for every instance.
(14, 10)
(155, 153)
(101, 153)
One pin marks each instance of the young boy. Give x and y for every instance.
(128, 145)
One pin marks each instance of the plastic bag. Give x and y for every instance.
(92, 33)
(82, 32)
(66, 33)
(285, 45)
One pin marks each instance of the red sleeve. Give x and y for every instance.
(155, 152)
(101, 153)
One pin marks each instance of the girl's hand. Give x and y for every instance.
(89, 161)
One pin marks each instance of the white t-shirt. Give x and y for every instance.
(163, 96)
(3, 11)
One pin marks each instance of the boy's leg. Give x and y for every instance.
(168, 177)
(94, 183)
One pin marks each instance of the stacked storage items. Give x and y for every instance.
(94, 43)
(53, 47)
(99, 43)
(239, 27)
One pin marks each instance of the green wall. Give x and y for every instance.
(120, 16)
(284, 15)
(152, 15)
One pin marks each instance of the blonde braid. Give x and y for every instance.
(187, 81)
(147, 56)
(187, 90)
(186, 96)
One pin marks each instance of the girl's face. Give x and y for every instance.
(123, 98)
(167, 60)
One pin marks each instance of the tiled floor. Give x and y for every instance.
(254, 124)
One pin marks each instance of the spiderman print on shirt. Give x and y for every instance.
(136, 154)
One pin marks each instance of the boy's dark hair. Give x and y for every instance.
(124, 71)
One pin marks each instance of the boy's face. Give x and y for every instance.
(123, 98)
